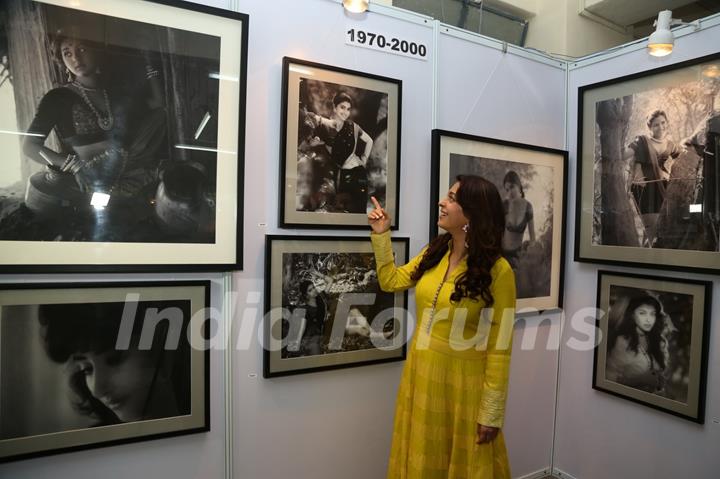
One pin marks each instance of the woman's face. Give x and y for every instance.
(451, 216)
(342, 110)
(311, 292)
(659, 127)
(78, 58)
(645, 317)
(121, 380)
(512, 190)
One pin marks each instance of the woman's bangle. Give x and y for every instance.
(70, 158)
(77, 165)
(151, 72)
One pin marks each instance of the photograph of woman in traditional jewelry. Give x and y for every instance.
(451, 402)
(100, 117)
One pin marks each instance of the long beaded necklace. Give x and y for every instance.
(434, 305)
(435, 299)
(105, 123)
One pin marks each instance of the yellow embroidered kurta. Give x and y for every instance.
(456, 373)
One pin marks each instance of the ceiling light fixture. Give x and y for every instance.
(356, 6)
(661, 42)
(662, 39)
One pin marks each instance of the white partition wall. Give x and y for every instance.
(514, 95)
(598, 435)
(335, 423)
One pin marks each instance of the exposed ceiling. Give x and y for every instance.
(629, 12)
(641, 14)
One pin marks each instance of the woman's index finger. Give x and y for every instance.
(375, 202)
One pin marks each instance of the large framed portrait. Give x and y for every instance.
(340, 145)
(324, 308)
(122, 132)
(648, 177)
(532, 182)
(653, 346)
(93, 365)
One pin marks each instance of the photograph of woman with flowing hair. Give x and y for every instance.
(652, 341)
(638, 352)
(649, 339)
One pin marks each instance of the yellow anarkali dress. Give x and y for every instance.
(456, 373)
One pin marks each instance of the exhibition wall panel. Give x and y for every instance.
(334, 423)
(599, 435)
(515, 95)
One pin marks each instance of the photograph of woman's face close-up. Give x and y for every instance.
(69, 367)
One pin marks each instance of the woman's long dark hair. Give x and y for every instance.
(628, 329)
(482, 205)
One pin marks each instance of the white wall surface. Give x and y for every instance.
(600, 436)
(483, 91)
(334, 424)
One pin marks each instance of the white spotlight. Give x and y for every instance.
(662, 40)
(356, 6)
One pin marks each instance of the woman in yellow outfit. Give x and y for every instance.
(451, 400)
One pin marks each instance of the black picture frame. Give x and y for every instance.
(456, 153)
(193, 220)
(342, 271)
(679, 386)
(165, 385)
(628, 212)
(328, 201)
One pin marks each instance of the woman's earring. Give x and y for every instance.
(70, 78)
(466, 227)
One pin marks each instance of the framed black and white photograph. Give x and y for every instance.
(92, 365)
(324, 308)
(653, 347)
(340, 145)
(122, 132)
(648, 178)
(532, 182)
